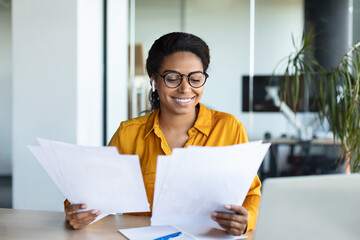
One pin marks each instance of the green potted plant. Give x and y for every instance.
(336, 92)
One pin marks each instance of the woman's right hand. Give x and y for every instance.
(79, 220)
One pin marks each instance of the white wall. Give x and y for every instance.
(224, 25)
(5, 90)
(154, 19)
(276, 21)
(89, 95)
(117, 64)
(56, 88)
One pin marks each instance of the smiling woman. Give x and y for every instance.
(177, 65)
(181, 97)
(161, 53)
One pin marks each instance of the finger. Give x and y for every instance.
(232, 227)
(80, 216)
(237, 208)
(230, 224)
(78, 221)
(77, 225)
(225, 227)
(83, 222)
(232, 231)
(229, 217)
(74, 207)
(89, 219)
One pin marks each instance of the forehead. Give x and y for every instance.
(183, 62)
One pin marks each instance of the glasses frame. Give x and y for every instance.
(182, 77)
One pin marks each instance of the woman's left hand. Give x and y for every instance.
(234, 223)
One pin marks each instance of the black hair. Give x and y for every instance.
(171, 43)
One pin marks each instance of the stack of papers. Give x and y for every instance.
(195, 181)
(97, 176)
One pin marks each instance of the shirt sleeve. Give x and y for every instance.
(252, 200)
(251, 203)
(115, 140)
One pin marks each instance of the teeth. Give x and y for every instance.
(183, 100)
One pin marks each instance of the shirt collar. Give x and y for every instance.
(202, 123)
(152, 122)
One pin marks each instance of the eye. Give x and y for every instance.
(172, 77)
(197, 77)
(195, 80)
(172, 80)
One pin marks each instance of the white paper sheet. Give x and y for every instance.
(149, 233)
(48, 143)
(208, 233)
(97, 176)
(200, 180)
(162, 165)
(45, 161)
(190, 184)
(164, 170)
(188, 233)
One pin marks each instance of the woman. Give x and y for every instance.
(177, 65)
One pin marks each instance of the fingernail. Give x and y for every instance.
(94, 211)
(228, 206)
(214, 214)
(98, 213)
(83, 206)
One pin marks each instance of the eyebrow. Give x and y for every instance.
(167, 71)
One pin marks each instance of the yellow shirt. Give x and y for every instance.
(142, 136)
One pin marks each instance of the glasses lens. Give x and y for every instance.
(172, 80)
(197, 79)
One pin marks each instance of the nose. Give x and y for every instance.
(184, 86)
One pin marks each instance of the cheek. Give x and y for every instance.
(200, 92)
(160, 89)
(163, 92)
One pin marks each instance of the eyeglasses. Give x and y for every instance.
(173, 79)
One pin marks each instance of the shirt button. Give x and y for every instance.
(193, 130)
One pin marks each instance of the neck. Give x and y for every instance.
(172, 122)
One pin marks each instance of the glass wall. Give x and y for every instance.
(240, 63)
(225, 26)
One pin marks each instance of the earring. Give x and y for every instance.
(153, 86)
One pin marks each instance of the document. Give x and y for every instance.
(208, 233)
(155, 232)
(189, 185)
(195, 181)
(98, 176)
(177, 233)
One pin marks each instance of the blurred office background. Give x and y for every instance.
(72, 70)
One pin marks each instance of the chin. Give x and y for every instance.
(184, 109)
(181, 110)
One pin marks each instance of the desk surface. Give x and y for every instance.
(28, 224)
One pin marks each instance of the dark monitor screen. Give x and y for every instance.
(260, 104)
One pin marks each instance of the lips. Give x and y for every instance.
(183, 99)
